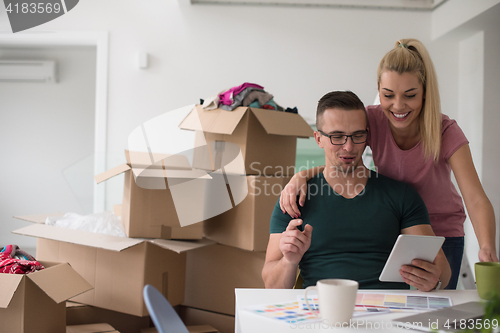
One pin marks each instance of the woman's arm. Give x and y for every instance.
(478, 205)
(296, 185)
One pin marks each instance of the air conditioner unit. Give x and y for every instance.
(27, 71)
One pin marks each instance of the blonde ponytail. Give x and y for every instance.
(410, 55)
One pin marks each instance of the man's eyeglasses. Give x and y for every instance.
(341, 139)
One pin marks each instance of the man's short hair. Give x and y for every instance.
(343, 100)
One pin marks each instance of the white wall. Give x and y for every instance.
(471, 115)
(491, 120)
(484, 136)
(453, 13)
(46, 136)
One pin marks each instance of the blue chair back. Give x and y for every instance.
(162, 314)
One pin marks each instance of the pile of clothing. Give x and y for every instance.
(13, 260)
(246, 94)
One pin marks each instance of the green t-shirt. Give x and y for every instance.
(352, 238)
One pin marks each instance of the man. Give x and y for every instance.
(351, 217)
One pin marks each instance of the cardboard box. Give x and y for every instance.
(222, 322)
(212, 274)
(246, 226)
(148, 208)
(91, 328)
(194, 231)
(118, 268)
(83, 314)
(267, 139)
(35, 302)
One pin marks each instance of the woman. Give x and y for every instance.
(413, 142)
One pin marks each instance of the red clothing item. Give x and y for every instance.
(15, 261)
(432, 181)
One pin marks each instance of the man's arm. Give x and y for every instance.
(284, 252)
(425, 275)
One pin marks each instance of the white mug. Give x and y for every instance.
(337, 298)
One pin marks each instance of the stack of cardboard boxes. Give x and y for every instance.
(254, 149)
(118, 268)
(241, 161)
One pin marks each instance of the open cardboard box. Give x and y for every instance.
(118, 268)
(156, 202)
(35, 302)
(149, 208)
(267, 139)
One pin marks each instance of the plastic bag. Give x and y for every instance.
(102, 223)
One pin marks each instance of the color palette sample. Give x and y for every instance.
(402, 302)
(288, 312)
(359, 310)
(366, 304)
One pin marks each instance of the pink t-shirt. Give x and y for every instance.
(432, 181)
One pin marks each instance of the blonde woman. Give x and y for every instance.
(413, 142)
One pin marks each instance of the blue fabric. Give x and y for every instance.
(255, 104)
(453, 249)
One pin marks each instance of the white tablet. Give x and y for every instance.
(407, 248)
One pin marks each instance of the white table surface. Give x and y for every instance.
(247, 322)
